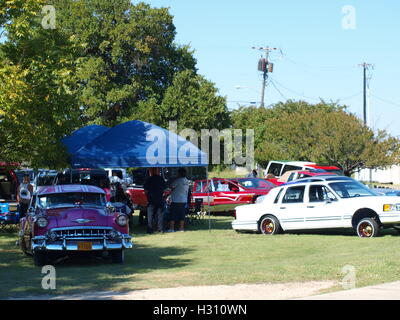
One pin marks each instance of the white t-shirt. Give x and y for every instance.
(180, 190)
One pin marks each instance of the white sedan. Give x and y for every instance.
(326, 202)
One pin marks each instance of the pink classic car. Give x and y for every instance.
(67, 219)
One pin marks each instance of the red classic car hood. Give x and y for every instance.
(77, 217)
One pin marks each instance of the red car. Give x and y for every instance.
(224, 195)
(290, 176)
(67, 219)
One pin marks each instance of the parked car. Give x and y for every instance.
(83, 176)
(8, 197)
(223, 195)
(68, 219)
(45, 177)
(387, 192)
(327, 202)
(290, 176)
(279, 168)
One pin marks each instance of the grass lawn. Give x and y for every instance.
(201, 257)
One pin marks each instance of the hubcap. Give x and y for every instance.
(366, 230)
(268, 226)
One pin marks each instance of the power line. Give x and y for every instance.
(313, 98)
(386, 101)
(273, 84)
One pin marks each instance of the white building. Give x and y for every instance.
(389, 175)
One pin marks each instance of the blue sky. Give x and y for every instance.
(319, 57)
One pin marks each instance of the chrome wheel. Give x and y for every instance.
(367, 228)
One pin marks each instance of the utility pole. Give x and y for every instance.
(366, 67)
(264, 66)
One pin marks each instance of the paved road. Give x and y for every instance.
(387, 291)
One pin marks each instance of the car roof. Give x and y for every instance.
(322, 178)
(294, 163)
(68, 189)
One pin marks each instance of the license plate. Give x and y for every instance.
(84, 246)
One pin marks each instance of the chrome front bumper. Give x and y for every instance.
(70, 243)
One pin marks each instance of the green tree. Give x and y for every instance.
(194, 103)
(127, 55)
(37, 102)
(328, 136)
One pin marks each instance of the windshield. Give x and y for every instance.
(255, 183)
(59, 200)
(352, 189)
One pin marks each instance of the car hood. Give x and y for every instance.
(77, 217)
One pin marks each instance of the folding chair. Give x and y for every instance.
(196, 213)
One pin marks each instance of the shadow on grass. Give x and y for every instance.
(201, 224)
(19, 276)
(342, 232)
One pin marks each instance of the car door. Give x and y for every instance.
(322, 208)
(229, 194)
(204, 190)
(292, 208)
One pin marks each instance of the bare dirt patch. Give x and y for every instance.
(236, 292)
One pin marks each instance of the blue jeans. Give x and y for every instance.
(155, 211)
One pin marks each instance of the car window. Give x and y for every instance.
(294, 195)
(118, 173)
(291, 177)
(275, 169)
(287, 168)
(70, 199)
(199, 187)
(255, 183)
(320, 194)
(351, 189)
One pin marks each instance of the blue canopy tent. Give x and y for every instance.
(83, 136)
(134, 144)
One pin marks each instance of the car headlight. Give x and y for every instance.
(391, 207)
(42, 222)
(122, 220)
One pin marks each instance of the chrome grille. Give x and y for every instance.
(82, 232)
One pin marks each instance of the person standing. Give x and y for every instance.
(154, 187)
(179, 200)
(24, 194)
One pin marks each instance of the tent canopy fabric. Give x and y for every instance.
(132, 144)
(83, 136)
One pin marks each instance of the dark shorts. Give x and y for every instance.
(23, 209)
(177, 212)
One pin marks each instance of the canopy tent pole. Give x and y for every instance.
(208, 201)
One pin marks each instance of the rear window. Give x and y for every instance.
(294, 195)
(275, 169)
(287, 168)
